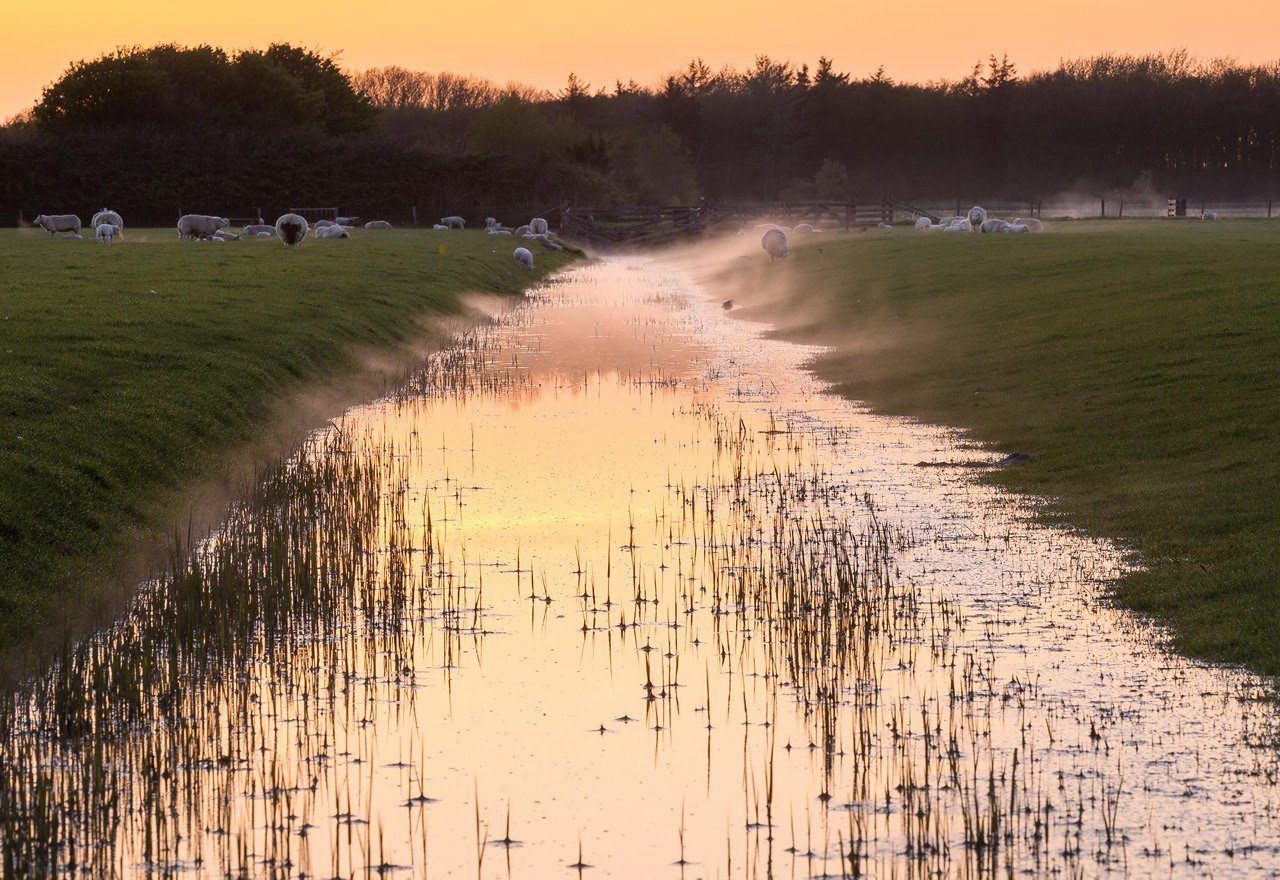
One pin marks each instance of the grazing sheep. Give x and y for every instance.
(994, 225)
(923, 224)
(107, 232)
(259, 229)
(292, 229)
(524, 258)
(1211, 216)
(454, 222)
(1032, 224)
(331, 232)
(106, 215)
(200, 226)
(776, 243)
(377, 224)
(977, 216)
(55, 223)
(538, 225)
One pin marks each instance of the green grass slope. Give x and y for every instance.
(125, 370)
(1138, 362)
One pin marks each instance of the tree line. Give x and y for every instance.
(171, 126)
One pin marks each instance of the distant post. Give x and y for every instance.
(1121, 215)
(1268, 209)
(415, 214)
(1104, 207)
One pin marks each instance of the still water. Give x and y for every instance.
(612, 587)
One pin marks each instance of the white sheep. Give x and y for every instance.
(524, 258)
(271, 234)
(453, 221)
(923, 224)
(958, 227)
(951, 221)
(977, 216)
(259, 229)
(200, 226)
(107, 232)
(491, 222)
(348, 221)
(1018, 228)
(538, 225)
(75, 235)
(106, 215)
(994, 225)
(802, 229)
(440, 227)
(775, 242)
(292, 229)
(321, 224)
(1032, 224)
(1211, 216)
(332, 231)
(55, 223)
(524, 230)
(377, 224)
(225, 235)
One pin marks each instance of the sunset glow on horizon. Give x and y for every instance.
(603, 42)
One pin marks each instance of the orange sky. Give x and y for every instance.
(540, 42)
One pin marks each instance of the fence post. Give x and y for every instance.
(21, 220)
(849, 210)
(1268, 209)
(1104, 207)
(414, 209)
(1121, 215)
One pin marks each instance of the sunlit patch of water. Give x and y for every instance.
(613, 587)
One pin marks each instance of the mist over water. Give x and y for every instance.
(614, 587)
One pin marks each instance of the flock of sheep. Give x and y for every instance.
(977, 220)
(777, 243)
(289, 228)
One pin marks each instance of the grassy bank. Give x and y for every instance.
(128, 370)
(1138, 362)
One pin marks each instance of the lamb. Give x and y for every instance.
(259, 229)
(524, 258)
(440, 227)
(106, 215)
(200, 226)
(958, 227)
(1211, 216)
(994, 225)
(377, 224)
(271, 234)
(225, 235)
(923, 224)
(1018, 228)
(292, 229)
(107, 232)
(538, 225)
(776, 243)
(497, 230)
(333, 231)
(453, 221)
(55, 223)
(977, 216)
(491, 222)
(524, 230)
(1032, 224)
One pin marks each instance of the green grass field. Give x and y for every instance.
(1137, 361)
(127, 370)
